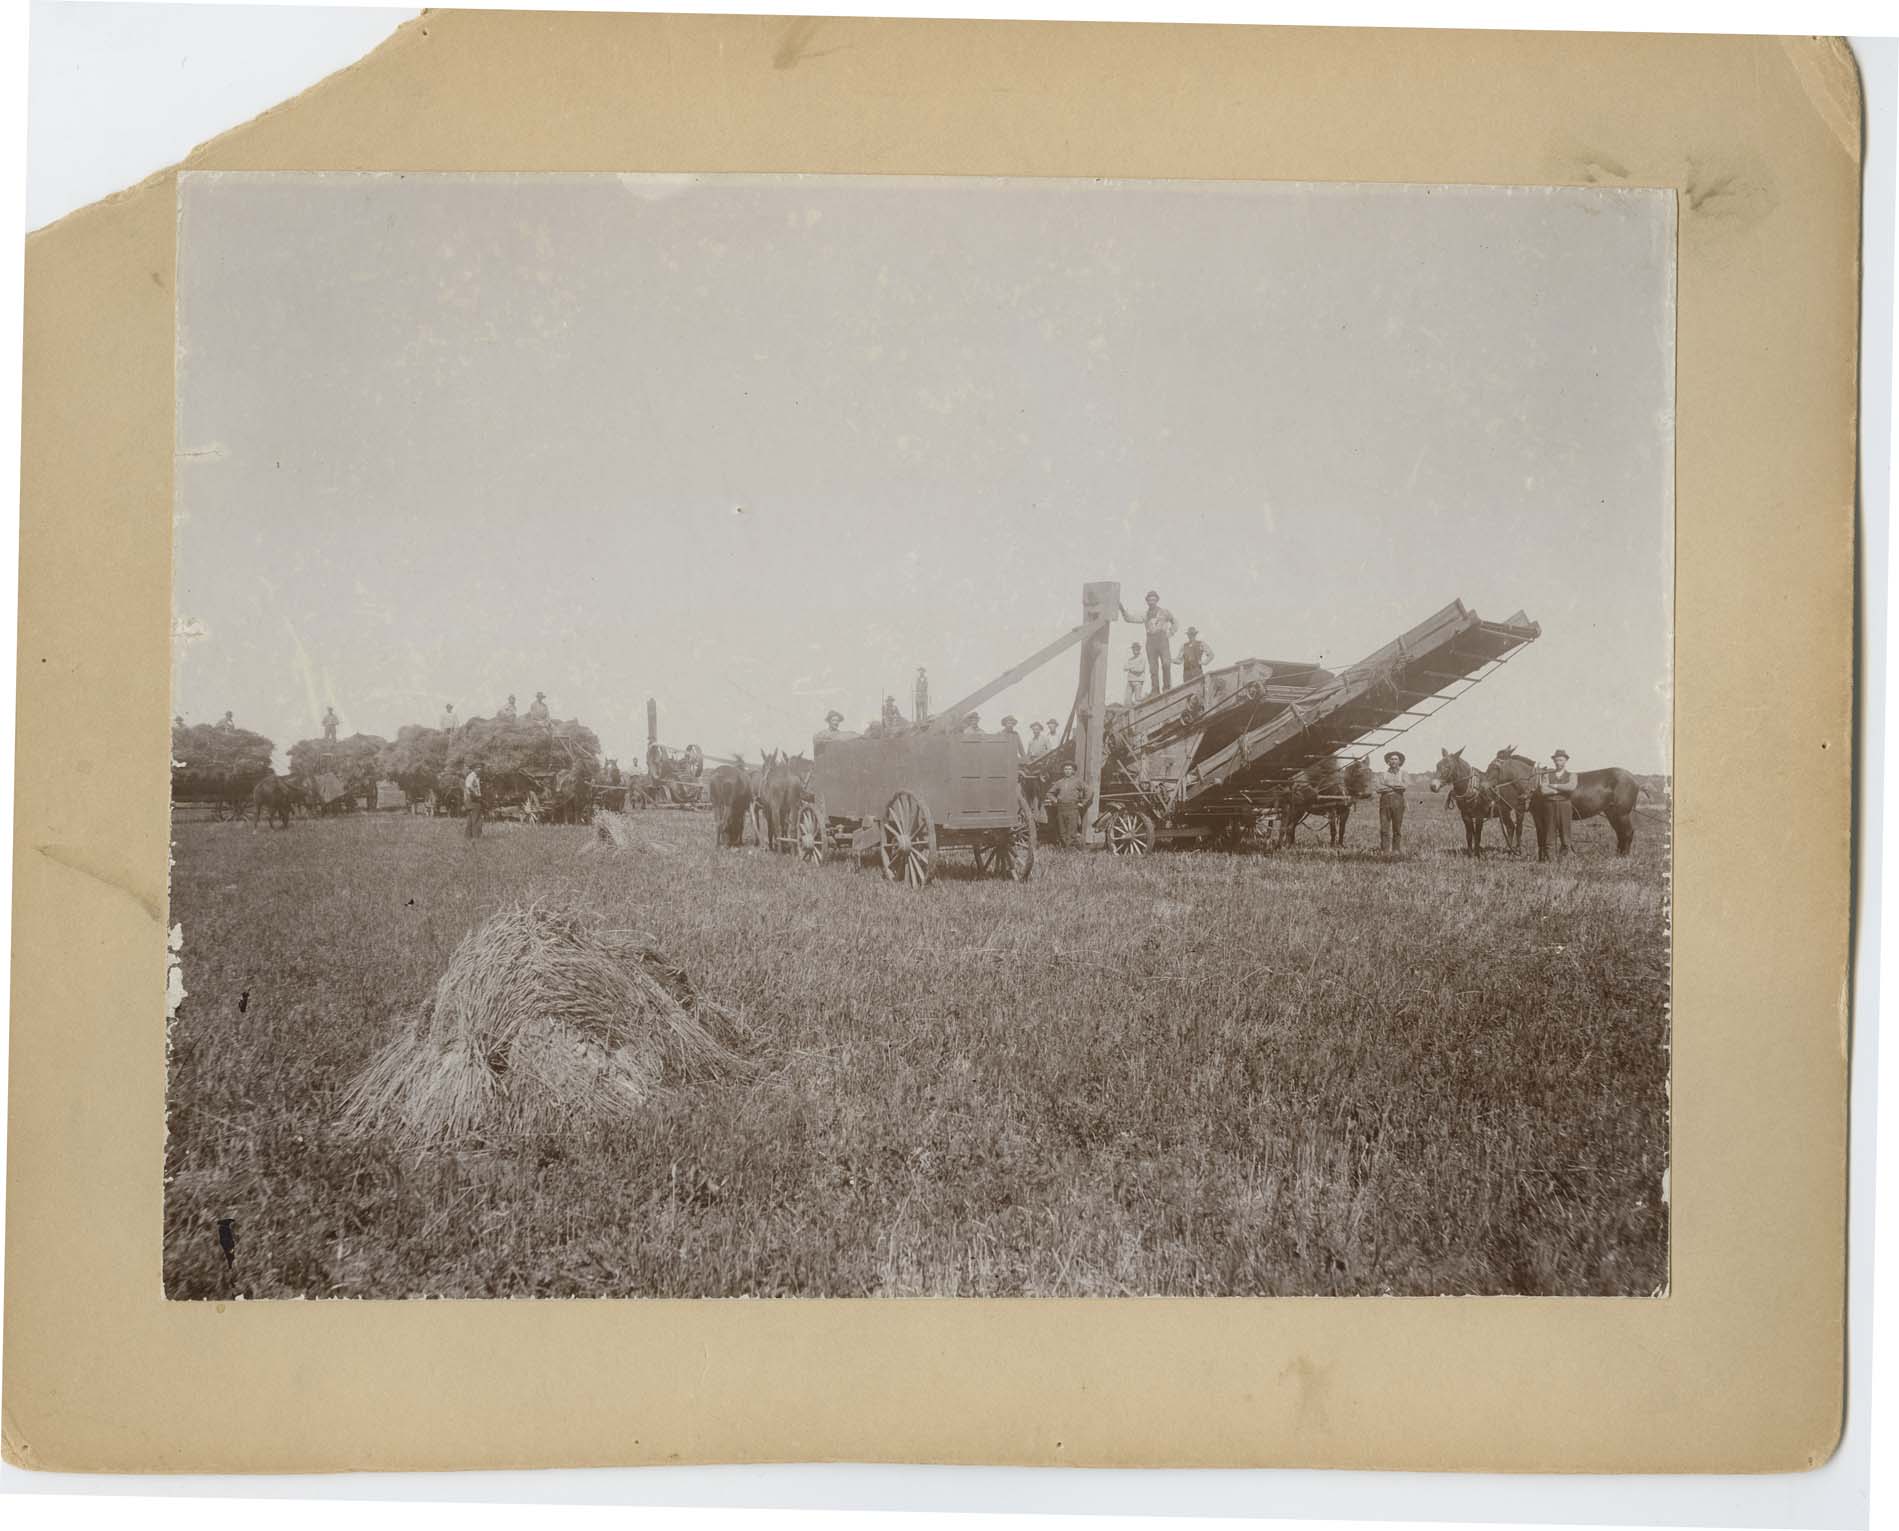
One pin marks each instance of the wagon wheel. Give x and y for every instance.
(812, 844)
(1129, 832)
(907, 840)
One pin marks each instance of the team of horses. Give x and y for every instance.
(768, 796)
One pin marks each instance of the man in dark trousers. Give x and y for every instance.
(1159, 624)
(329, 725)
(1389, 785)
(1557, 784)
(1070, 798)
(1193, 657)
(472, 804)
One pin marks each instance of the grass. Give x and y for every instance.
(1301, 1073)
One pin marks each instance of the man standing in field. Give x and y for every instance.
(1556, 785)
(1070, 797)
(1389, 786)
(471, 802)
(1193, 657)
(1160, 625)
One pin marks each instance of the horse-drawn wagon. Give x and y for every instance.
(910, 798)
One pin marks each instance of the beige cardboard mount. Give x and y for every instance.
(1740, 1367)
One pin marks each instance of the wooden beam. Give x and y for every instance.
(951, 717)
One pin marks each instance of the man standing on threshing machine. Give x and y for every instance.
(1070, 797)
(471, 802)
(1008, 732)
(1556, 785)
(329, 725)
(537, 709)
(506, 710)
(1135, 671)
(1039, 743)
(1193, 657)
(1389, 786)
(1159, 622)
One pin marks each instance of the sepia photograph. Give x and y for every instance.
(852, 736)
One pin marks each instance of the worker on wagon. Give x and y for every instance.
(1557, 785)
(227, 723)
(1160, 626)
(972, 723)
(472, 804)
(1008, 732)
(1389, 786)
(448, 722)
(506, 710)
(1135, 671)
(329, 725)
(920, 697)
(833, 727)
(537, 709)
(1070, 797)
(1194, 655)
(1054, 734)
(1039, 742)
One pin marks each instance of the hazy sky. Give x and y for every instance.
(757, 446)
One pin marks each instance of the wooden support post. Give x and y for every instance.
(1100, 606)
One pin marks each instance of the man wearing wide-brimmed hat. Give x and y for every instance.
(537, 709)
(1008, 729)
(472, 805)
(1557, 784)
(834, 728)
(1070, 797)
(1389, 785)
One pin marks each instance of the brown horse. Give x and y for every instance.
(1610, 791)
(731, 794)
(1469, 794)
(275, 797)
(1328, 787)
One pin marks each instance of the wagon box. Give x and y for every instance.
(968, 781)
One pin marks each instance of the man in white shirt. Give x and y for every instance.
(1135, 672)
(1039, 742)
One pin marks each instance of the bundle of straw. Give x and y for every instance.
(543, 1020)
(614, 831)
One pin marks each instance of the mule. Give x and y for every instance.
(1510, 782)
(782, 790)
(731, 794)
(1469, 795)
(1327, 787)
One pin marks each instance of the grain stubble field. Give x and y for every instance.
(1311, 1072)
